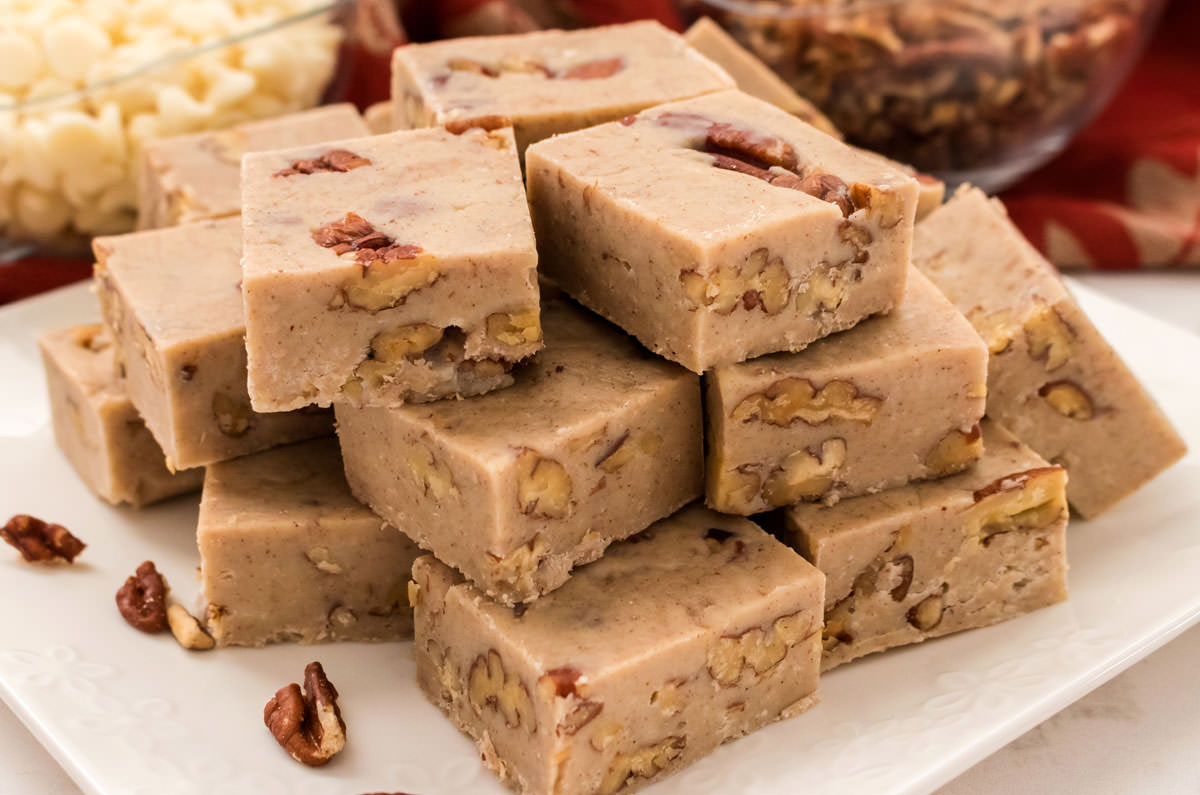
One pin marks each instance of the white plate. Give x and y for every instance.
(124, 712)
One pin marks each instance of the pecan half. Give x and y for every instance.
(307, 725)
(39, 541)
(142, 600)
(335, 160)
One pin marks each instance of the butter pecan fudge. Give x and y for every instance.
(698, 631)
(96, 426)
(197, 177)
(172, 299)
(752, 75)
(932, 558)
(288, 554)
(548, 82)
(894, 399)
(594, 441)
(384, 270)
(1052, 379)
(720, 228)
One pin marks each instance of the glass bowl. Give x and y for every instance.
(979, 91)
(82, 87)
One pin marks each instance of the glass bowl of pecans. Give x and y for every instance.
(979, 91)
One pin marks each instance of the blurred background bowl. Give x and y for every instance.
(979, 91)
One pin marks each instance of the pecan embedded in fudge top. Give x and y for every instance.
(1003, 462)
(208, 164)
(924, 322)
(980, 260)
(183, 282)
(763, 165)
(693, 573)
(297, 484)
(552, 72)
(587, 369)
(85, 354)
(426, 191)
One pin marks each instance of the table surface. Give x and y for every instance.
(1137, 733)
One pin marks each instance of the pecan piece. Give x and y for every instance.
(592, 70)
(39, 541)
(307, 725)
(335, 160)
(142, 600)
(188, 630)
(749, 146)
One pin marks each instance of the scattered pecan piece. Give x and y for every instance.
(343, 235)
(307, 725)
(337, 160)
(142, 600)
(486, 123)
(828, 187)
(39, 541)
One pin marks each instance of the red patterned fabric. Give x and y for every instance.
(1126, 193)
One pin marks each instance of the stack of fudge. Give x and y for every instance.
(588, 284)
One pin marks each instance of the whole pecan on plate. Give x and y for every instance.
(308, 725)
(39, 541)
(142, 600)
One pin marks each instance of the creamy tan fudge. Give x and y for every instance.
(171, 298)
(894, 399)
(380, 118)
(720, 228)
(595, 441)
(548, 82)
(197, 177)
(96, 426)
(384, 270)
(698, 631)
(1052, 380)
(288, 554)
(932, 558)
(751, 74)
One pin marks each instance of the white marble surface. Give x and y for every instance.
(1137, 733)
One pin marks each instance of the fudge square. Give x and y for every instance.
(937, 557)
(752, 75)
(197, 177)
(698, 631)
(894, 399)
(96, 426)
(288, 554)
(171, 299)
(548, 82)
(384, 270)
(1052, 379)
(596, 440)
(720, 228)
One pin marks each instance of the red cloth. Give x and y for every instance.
(1126, 192)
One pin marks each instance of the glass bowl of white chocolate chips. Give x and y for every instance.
(979, 91)
(84, 82)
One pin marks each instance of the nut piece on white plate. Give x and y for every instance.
(398, 268)
(288, 554)
(936, 557)
(896, 398)
(187, 629)
(548, 82)
(1052, 378)
(40, 541)
(76, 103)
(809, 238)
(307, 724)
(171, 299)
(198, 176)
(594, 441)
(697, 631)
(96, 426)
